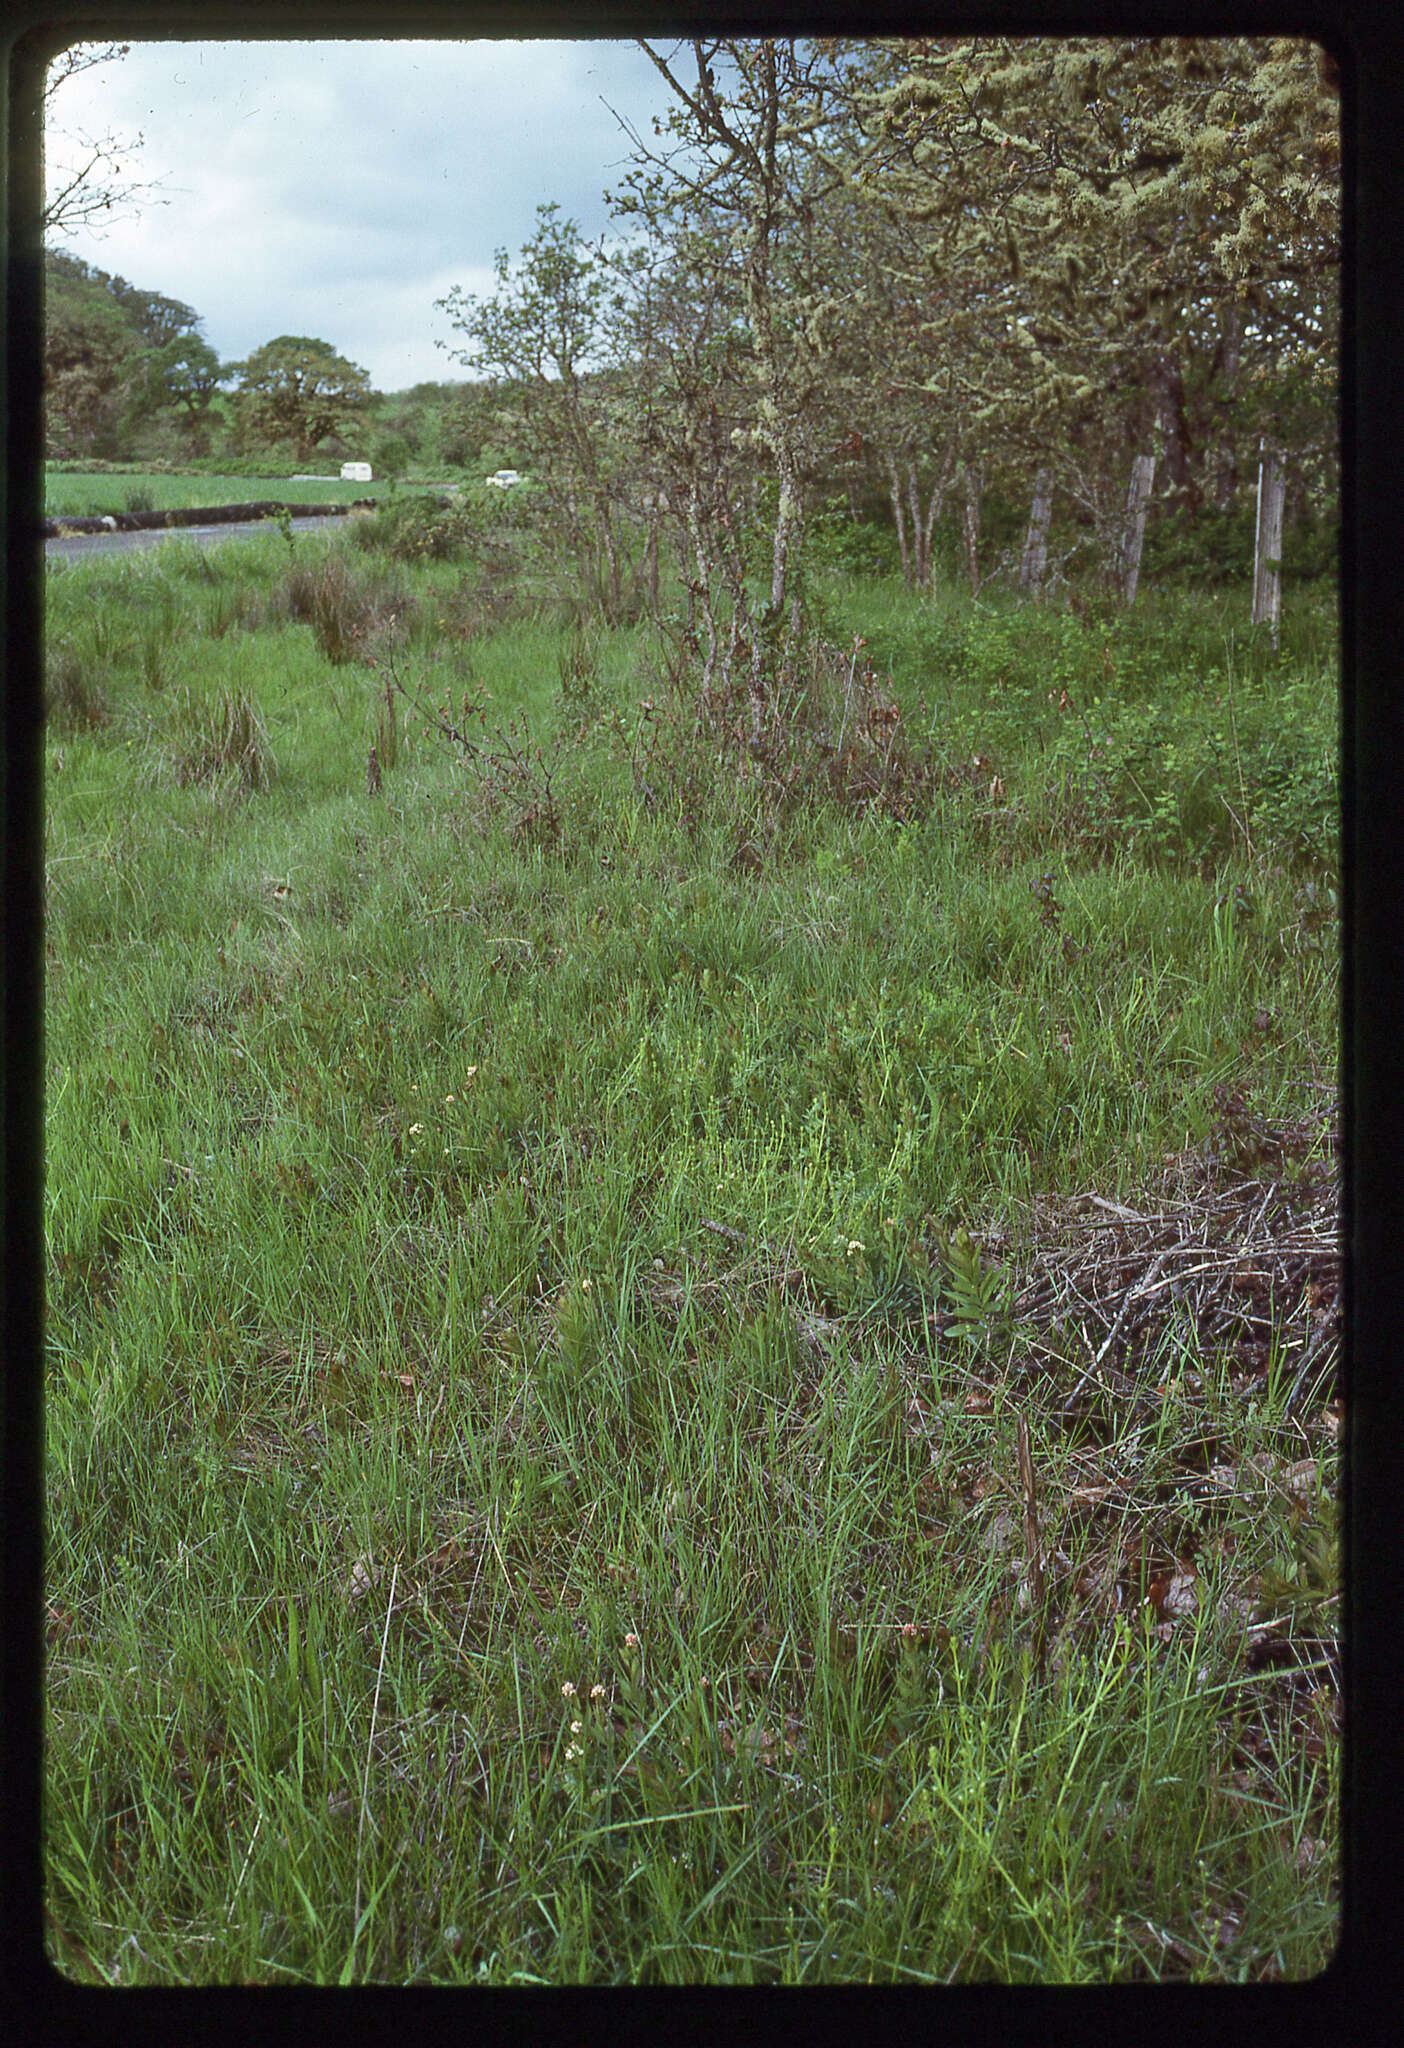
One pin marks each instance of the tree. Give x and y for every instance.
(392, 454)
(687, 413)
(984, 268)
(545, 329)
(90, 354)
(1147, 215)
(119, 360)
(157, 319)
(86, 176)
(299, 390)
(738, 204)
(902, 366)
(183, 378)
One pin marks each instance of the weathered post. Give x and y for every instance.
(1133, 537)
(1036, 541)
(1267, 541)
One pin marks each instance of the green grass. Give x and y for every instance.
(532, 1475)
(82, 494)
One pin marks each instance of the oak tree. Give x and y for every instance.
(299, 390)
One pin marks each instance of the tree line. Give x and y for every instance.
(946, 276)
(1006, 298)
(129, 376)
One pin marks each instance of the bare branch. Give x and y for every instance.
(95, 186)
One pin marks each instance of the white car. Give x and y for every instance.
(504, 479)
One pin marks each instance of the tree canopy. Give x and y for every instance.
(931, 275)
(299, 390)
(90, 351)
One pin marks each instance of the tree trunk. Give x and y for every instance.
(1225, 385)
(773, 663)
(926, 533)
(1169, 391)
(921, 535)
(900, 519)
(974, 486)
(651, 564)
(614, 587)
(1267, 544)
(788, 523)
(701, 591)
(1134, 533)
(1036, 542)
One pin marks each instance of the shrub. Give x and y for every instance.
(418, 529)
(221, 741)
(858, 547)
(347, 614)
(1189, 780)
(836, 737)
(1210, 547)
(73, 702)
(239, 465)
(489, 601)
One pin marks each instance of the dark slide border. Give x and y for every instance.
(1361, 1997)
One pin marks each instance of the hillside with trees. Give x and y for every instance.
(130, 378)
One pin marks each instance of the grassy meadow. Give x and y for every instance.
(82, 494)
(679, 1363)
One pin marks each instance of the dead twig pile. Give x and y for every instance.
(1221, 1261)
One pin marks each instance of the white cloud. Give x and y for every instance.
(339, 189)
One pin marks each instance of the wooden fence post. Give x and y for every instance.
(1036, 542)
(1267, 541)
(1134, 533)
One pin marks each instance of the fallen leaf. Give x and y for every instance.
(1304, 1478)
(1173, 1594)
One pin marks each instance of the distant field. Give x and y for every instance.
(81, 493)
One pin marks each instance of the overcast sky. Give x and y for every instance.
(338, 189)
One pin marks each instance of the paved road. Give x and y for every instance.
(88, 544)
